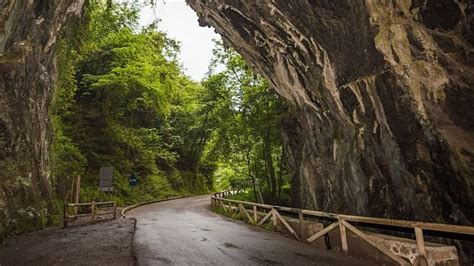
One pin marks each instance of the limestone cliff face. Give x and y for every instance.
(28, 33)
(382, 93)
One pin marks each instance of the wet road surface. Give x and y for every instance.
(186, 232)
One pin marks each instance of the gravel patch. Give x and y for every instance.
(103, 243)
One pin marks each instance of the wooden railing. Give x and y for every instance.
(227, 193)
(340, 220)
(94, 210)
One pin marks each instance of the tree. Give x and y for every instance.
(248, 135)
(121, 101)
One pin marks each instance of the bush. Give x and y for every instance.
(150, 187)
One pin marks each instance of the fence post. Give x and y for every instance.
(65, 215)
(344, 245)
(301, 219)
(255, 216)
(77, 193)
(93, 211)
(420, 245)
(274, 218)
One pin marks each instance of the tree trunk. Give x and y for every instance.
(254, 181)
(267, 152)
(280, 172)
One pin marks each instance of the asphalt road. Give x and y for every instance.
(186, 232)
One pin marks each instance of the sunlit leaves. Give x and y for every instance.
(247, 140)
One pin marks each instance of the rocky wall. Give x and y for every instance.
(29, 31)
(382, 98)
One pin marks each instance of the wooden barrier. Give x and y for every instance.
(227, 193)
(340, 220)
(94, 206)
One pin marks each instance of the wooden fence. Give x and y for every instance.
(227, 193)
(94, 210)
(339, 220)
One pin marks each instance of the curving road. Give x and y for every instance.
(186, 232)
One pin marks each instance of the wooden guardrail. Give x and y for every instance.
(94, 210)
(340, 220)
(227, 193)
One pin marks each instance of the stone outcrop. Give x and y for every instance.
(28, 33)
(382, 94)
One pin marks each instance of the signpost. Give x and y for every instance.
(77, 192)
(106, 176)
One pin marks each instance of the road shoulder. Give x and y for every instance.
(103, 243)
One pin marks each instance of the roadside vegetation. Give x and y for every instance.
(123, 100)
(236, 215)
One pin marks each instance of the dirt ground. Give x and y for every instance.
(102, 243)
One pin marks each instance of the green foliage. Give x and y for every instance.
(149, 188)
(122, 101)
(247, 139)
(243, 196)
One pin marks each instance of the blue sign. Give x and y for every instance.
(132, 180)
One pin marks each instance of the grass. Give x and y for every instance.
(243, 196)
